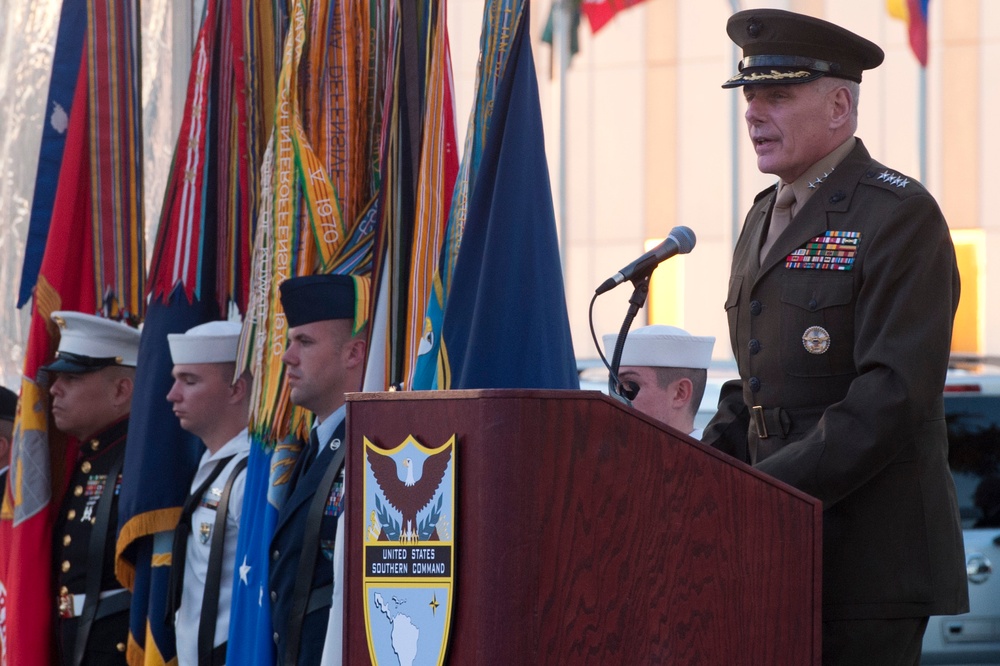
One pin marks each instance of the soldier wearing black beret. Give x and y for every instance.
(324, 359)
(842, 294)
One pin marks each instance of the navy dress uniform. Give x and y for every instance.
(91, 605)
(841, 332)
(302, 547)
(203, 562)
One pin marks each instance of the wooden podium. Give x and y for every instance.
(587, 533)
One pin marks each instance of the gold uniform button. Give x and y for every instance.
(78, 491)
(63, 590)
(67, 540)
(93, 521)
(95, 444)
(66, 566)
(71, 515)
(85, 467)
(121, 647)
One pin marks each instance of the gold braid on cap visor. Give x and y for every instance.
(773, 75)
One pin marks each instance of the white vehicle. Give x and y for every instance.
(972, 410)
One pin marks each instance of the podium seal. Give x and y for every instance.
(409, 552)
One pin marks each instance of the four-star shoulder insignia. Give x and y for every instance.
(893, 178)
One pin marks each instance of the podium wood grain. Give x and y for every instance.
(587, 533)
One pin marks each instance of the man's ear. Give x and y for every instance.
(355, 355)
(123, 390)
(683, 391)
(239, 389)
(841, 106)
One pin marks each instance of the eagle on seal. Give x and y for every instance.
(409, 496)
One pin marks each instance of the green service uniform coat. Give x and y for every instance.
(844, 366)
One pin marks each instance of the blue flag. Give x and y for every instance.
(250, 630)
(160, 461)
(62, 85)
(505, 322)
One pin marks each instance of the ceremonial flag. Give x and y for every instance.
(499, 21)
(200, 271)
(320, 147)
(505, 323)
(600, 12)
(420, 165)
(92, 263)
(62, 84)
(160, 461)
(914, 13)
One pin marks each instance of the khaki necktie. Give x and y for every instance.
(781, 217)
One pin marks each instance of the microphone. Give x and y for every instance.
(680, 240)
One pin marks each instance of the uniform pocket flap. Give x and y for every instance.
(815, 295)
(735, 287)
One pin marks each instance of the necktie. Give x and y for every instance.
(312, 450)
(306, 458)
(781, 217)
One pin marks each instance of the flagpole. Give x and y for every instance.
(922, 123)
(560, 35)
(734, 138)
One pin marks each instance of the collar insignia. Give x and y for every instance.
(819, 180)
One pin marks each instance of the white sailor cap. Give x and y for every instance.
(88, 343)
(661, 346)
(214, 342)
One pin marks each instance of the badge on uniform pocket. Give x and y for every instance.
(816, 340)
(205, 532)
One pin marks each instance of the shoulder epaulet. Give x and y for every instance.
(887, 179)
(765, 192)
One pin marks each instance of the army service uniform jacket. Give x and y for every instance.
(843, 369)
(75, 524)
(286, 551)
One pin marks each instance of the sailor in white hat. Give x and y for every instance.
(668, 369)
(91, 382)
(213, 403)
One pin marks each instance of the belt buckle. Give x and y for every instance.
(759, 422)
(64, 602)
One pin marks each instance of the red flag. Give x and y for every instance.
(600, 12)
(38, 462)
(914, 13)
(92, 263)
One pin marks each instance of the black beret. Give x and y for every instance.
(8, 404)
(311, 298)
(784, 47)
